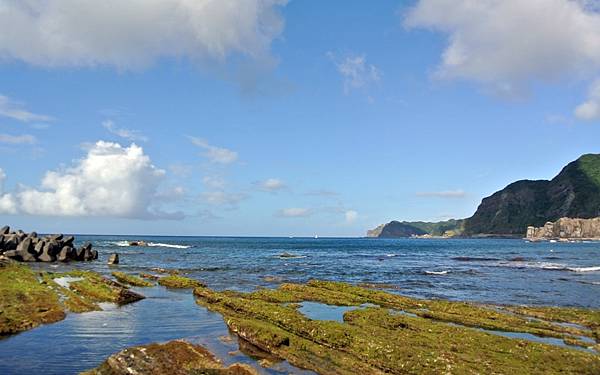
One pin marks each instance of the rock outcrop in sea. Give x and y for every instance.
(567, 229)
(29, 247)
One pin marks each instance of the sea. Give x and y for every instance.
(498, 271)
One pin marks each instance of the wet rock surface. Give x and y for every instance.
(389, 333)
(29, 247)
(176, 357)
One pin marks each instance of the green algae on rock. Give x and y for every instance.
(394, 334)
(25, 302)
(176, 357)
(124, 278)
(32, 298)
(179, 282)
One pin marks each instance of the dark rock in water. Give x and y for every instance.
(20, 255)
(94, 254)
(138, 243)
(79, 253)
(287, 255)
(68, 241)
(113, 259)
(10, 242)
(39, 248)
(45, 256)
(87, 255)
(52, 248)
(87, 246)
(127, 296)
(25, 245)
(65, 254)
(56, 237)
(5, 230)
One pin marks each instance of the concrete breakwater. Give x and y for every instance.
(29, 247)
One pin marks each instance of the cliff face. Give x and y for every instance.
(575, 192)
(396, 229)
(566, 228)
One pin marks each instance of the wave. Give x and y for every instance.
(158, 244)
(437, 272)
(550, 266)
(119, 243)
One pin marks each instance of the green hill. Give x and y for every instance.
(574, 192)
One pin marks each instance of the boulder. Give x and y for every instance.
(20, 255)
(68, 241)
(39, 247)
(87, 245)
(25, 245)
(94, 254)
(52, 247)
(33, 235)
(87, 254)
(5, 230)
(79, 253)
(45, 256)
(65, 254)
(10, 242)
(113, 259)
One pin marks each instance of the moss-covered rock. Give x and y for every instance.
(175, 358)
(180, 282)
(395, 334)
(122, 277)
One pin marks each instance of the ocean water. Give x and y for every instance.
(486, 270)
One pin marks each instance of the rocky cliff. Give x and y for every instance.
(566, 228)
(574, 192)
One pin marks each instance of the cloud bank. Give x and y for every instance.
(507, 44)
(129, 34)
(110, 181)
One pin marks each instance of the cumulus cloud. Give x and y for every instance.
(442, 194)
(356, 72)
(18, 139)
(215, 154)
(271, 185)
(350, 216)
(129, 34)
(15, 110)
(130, 135)
(110, 181)
(294, 212)
(590, 109)
(505, 45)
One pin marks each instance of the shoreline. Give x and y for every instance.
(443, 316)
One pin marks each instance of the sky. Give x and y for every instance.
(275, 118)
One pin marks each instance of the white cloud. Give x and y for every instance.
(271, 185)
(223, 198)
(130, 135)
(294, 212)
(442, 194)
(507, 44)
(215, 154)
(129, 34)
(355, 70)
(351, 216)
(16, 110)
(111, 181)
(18, 139)
(590, 109)
(214, 182)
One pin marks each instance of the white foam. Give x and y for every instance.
(119, 243)
(158, 244)
(437, 272)
(584, 269)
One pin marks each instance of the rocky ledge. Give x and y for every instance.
(29, 247)
(566, 229)
(175, 357)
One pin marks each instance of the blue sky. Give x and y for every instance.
(273, 118)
